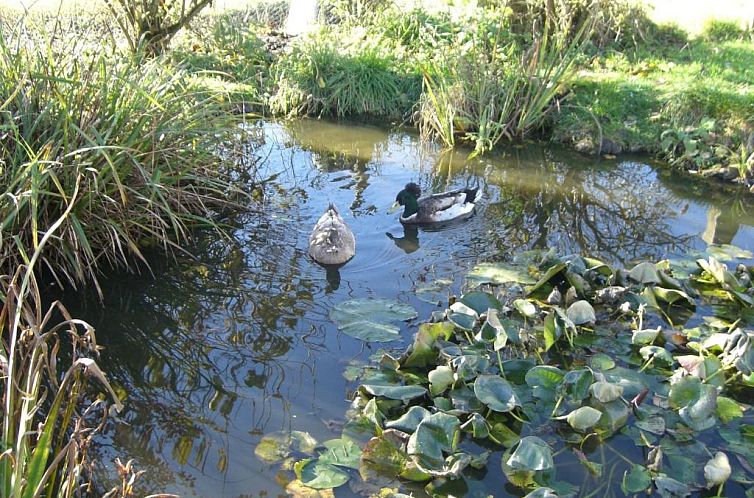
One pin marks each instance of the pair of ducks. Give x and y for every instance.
(332, 242)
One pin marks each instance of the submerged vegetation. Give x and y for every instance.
(551, 362)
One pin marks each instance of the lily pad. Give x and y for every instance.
(439, 379)
(601, 361)
(371, 331)
(480, 301)
(581, 313)
(276, 446)
(297, 489)
(584, 418)
(498, 273)
(319, 475)
(525, 307)
(644, 273)
(604, 392)
(409, 421)
(728, 252)
(728, 409)
(403, 393)
(531, 454)
(495, 392)
(717, 470)
(434, 435)
(636, 480)
(544, 284)
(342, 452)
(367, 319)
(462, 316)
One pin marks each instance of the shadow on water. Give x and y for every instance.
(213, 352)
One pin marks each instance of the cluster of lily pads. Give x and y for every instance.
(547, 358)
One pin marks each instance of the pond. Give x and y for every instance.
(215, 351)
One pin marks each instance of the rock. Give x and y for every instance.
(610, 147)
(725, 173)
(585, 146)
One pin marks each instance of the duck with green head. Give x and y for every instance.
(436, 208)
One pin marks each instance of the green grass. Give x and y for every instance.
(638, 95)
(326, 77)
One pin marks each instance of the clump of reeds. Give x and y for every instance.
(141, 145)
(486, 91)
(46, 428)
(320, 78)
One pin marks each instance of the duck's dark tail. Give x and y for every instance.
(471, 194)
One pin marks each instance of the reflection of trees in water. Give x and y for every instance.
(201, 351)
(620, 212)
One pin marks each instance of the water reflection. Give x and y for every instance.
(215, 351)
(410, 240)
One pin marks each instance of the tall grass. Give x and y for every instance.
(319, 77)
(46, 428)
(141, 145)
(484, 94)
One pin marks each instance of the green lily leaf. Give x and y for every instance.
(674, 296)
(493, 330)
(371, 331)
(696, 402)
(605, 392)
(495, 392)
(644, 273)
(375, 310)
(546, 376)
(728, 409)
(384, 455)
(717, 470)
(581, 313)
(276, 446)
(525, 307)
(542, 493)
(403, 393)
(614, 414)
(584, 418)
(477, 425)
(434, 435)
(531, 454)
(655, 425)
(319, 475)
(409, 421)
(544, 284)
(373, 413)
(498, 273)
(439, 379)
(462, 316)
(601, 362)
(670, 488)
(481, 301)
(342, 452)
(656, 353)
(645, 336)
(577, 383)
(423, 352)
(637, 480)
(727, 252)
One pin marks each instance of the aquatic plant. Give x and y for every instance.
(137, 143)
(46, 426)
(583, 355)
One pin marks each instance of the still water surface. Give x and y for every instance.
(213, 353)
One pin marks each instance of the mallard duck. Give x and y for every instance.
(331, 241)
(437, 208)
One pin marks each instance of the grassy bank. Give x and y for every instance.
(602, 76)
